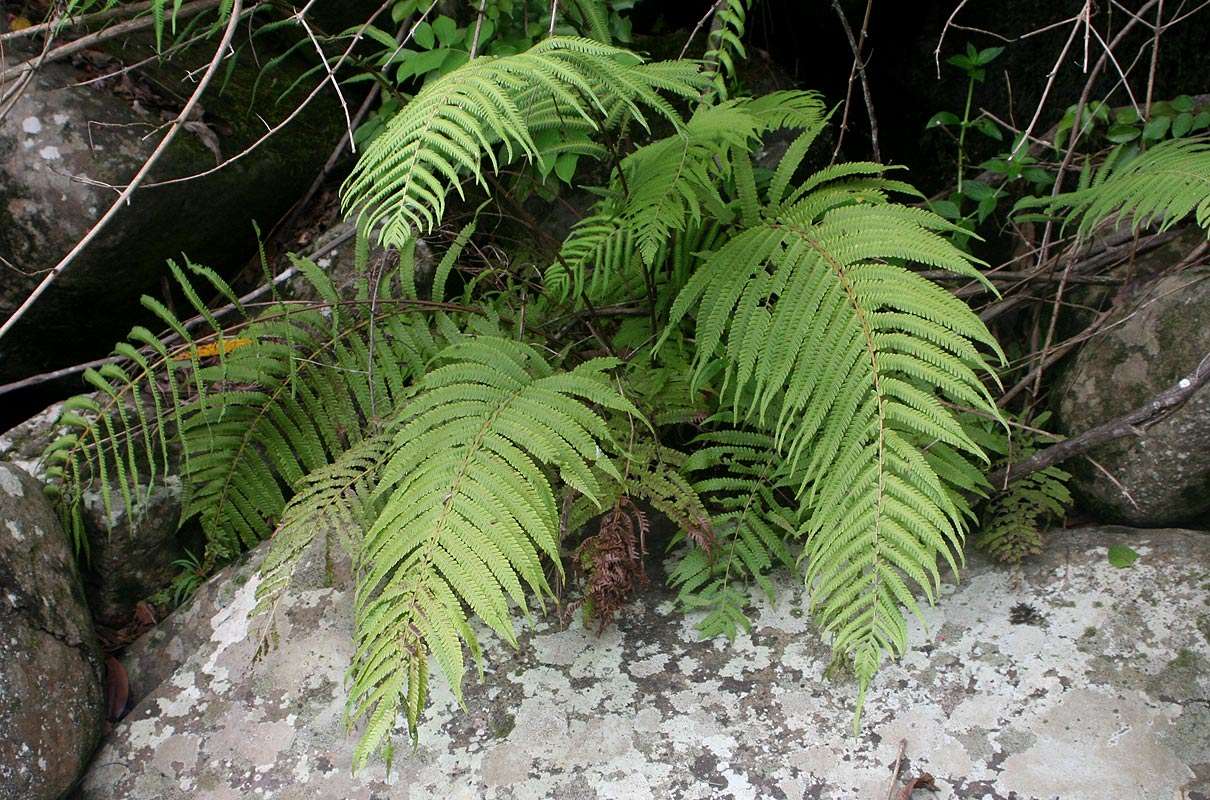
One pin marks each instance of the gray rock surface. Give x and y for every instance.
(1097, 690)
(1152, 340)
(129, 556)
(156, 655)
(51, 695)
(62, 145)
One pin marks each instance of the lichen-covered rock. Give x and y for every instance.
(51, 695)
(24, 444)
(152, 658)
(1070, 679)
(129, 557)
(1150, 342)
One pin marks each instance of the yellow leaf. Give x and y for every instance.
(212, 349)
(19, 23)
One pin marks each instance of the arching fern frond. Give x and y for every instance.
(468, 512)
(1160, 186)
(845, 356)
(442, 136)
(724, 44)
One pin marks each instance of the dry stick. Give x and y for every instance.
(478, 27)
(168, 337)
(1131, 424)
(890, 795)
(60, 22)
(1155, 57)
(857, 45)
(693, 33)
(1083, 16)
(302, 20)
(144, 171)
(113, 32)
(941, 38)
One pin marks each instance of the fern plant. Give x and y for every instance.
(775, 322)
(1012, 519)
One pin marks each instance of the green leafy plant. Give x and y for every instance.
(772, 320)
(1013, 518)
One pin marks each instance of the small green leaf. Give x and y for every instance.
(1122, 133)
(942, 118)
(977, 190)
(989, 129)
(1182, 103)
(1122, 556)
(1182, 124)
(423, 34)
(1202, 120)
(565, 166)
(989, 54)
(1126, 116)
(1156, 128)
(446, 30)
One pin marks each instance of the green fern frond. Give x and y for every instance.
(468, 512)
(1160, 186)
(333, 500)
(724, 44)
(743, 478)
(304, 389)
(845, 356)
(1013, 521)
(669, 200)
(443, 135)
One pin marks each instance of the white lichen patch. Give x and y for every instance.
(10, 483)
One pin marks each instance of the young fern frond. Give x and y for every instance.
(467, 513)
(1013, 521)
(845, 356)
(743, 475)
(1160, 186)
(119, 440)
(334, 499)
(724, 44)
(442, 136)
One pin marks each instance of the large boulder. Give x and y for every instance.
(63, 145)
(130, 556)
(51, 694)
(1072, 679)
(1157, 336)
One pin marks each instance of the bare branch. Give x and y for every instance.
(1134, 423)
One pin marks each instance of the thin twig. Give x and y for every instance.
(302, 20)
(144, 171)
(478, 27)
(857, 45)
(62, 21)
(246, 300)
(1133, 423)
(890, 794)
(273, 130)
(941, 39)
